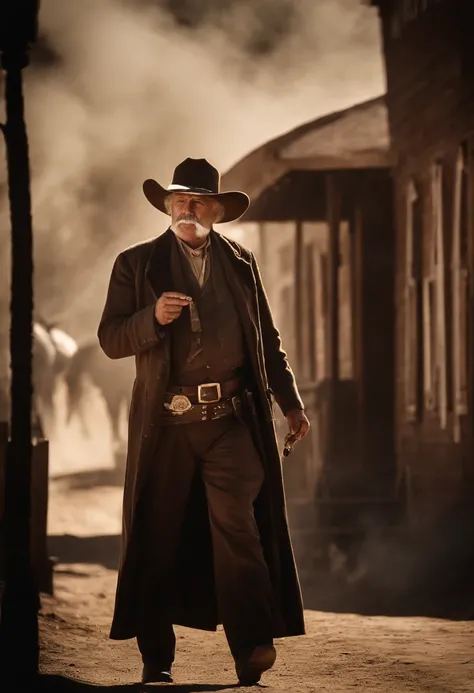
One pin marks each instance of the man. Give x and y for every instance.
(205, 535)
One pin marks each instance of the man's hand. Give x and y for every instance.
(169, 306)
(298, 423)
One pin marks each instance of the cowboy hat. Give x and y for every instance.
(197, 177)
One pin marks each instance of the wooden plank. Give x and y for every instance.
(357, 161)
(333, 202)
(469, 293)
(470, 296)
(42, 565)
(307, 322)
(320, 316)
(440, 279)
(411, 307)
(311, 315)
(355, 259)
(299, 289)
(459, 284)
(333, 218)
(3, 458)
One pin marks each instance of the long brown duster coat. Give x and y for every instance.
(127, 328)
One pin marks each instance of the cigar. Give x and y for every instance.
(290, 440)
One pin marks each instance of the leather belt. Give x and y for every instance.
(207, 393)
(200, 412)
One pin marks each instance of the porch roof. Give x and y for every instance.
(354, 138)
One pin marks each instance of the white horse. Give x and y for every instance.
(52, 350)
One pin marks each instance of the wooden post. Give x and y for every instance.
(41, 563)
(19, 608)
(355, 259)
(299, 289)
(311, 316)
(333, 215)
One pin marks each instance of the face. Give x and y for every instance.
(192, 216)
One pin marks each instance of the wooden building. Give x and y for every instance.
(321, 226)
(430, 79)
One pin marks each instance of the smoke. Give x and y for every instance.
(121, 91)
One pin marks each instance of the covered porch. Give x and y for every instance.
(321, 226)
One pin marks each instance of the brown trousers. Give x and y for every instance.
(231, 470)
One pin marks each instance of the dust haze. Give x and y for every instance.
(121, 91)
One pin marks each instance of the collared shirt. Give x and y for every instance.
(198, 259)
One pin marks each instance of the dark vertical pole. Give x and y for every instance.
(18, 617)
(333, 214)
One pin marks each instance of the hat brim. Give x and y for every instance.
(235, 203)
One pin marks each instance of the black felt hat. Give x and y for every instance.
(197, 177)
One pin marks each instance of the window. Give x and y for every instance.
(459, 283)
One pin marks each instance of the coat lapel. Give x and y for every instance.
(158, 272)
(239, 274)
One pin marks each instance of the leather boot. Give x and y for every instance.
(250, 667)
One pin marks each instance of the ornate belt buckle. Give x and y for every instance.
(204, 398)
(179, 404)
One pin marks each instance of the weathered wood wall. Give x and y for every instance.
(430, 79)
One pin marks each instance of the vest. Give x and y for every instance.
(222, 348)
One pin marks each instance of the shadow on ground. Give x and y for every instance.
(103, 549)
(64, 684)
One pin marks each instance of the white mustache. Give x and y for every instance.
(199, 227)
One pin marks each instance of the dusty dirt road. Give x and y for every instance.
(340, 653)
